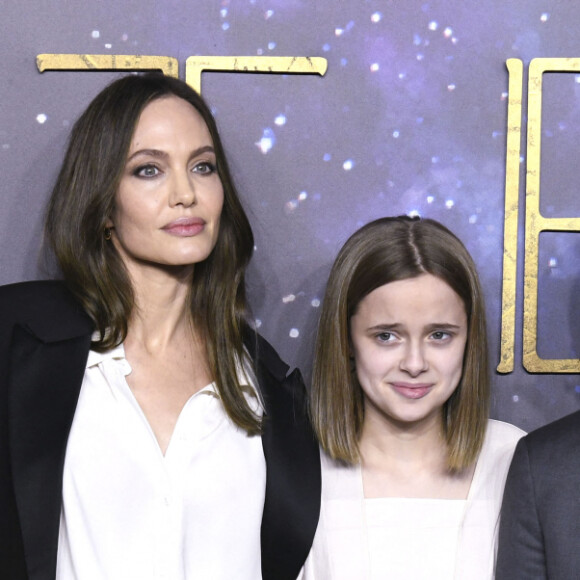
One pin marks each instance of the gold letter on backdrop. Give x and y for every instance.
(510, 231)
(167, 64)
(195, 65)
(535, 222)
(303, 65)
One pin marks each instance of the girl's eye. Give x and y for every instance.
(386, 337)
(440, 335)
(146, 171)
(204, 168)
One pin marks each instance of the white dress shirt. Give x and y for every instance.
(129, 512)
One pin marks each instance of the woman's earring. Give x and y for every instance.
(108, 234)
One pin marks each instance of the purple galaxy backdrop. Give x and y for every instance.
(410, 118)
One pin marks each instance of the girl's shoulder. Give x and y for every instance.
(494, 460)
(497, 451)
(500, 433)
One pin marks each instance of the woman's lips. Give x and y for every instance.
(411, 390)
(185, 227)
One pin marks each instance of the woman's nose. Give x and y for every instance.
(183, 190)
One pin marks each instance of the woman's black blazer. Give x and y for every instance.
(45, 338)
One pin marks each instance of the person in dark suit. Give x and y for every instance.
(540, 515)
(146, 430)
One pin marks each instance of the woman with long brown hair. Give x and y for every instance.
(146, 430)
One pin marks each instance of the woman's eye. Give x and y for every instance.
(146, 171)
(385, 337)
(204, 168)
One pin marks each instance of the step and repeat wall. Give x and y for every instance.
(334, 114)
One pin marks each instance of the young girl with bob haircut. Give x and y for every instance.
(413, 469)
(146, 430)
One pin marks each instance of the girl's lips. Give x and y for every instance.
(412, 391)
(185, 227)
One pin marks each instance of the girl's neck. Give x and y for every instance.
(385, 441)
(409, 460)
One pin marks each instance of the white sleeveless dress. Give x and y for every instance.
(408, 538)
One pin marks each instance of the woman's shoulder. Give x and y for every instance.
(37, 289)
(264, 354)
(47, 307)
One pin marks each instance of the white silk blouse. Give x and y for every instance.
(130, 512)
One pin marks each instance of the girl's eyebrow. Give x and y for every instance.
(430, 327)
(384, 327)
(442, 326)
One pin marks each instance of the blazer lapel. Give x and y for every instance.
(292, 504)
(46, 374)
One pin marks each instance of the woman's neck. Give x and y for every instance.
(162, 311)
(168, 358)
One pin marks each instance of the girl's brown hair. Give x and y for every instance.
(384, 251)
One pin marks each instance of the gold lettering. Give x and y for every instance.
(535, 222)
(304, 65)
(510, 231)
(167, 64)
(194, 66)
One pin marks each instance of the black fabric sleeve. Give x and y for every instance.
(521, 553)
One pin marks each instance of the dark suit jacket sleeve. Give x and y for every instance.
(44, 342)
(540, 525)
(11, 548)
(521, 544)
(292, 503)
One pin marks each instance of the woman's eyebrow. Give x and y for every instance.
(163, 154)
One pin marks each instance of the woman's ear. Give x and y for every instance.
(107, 233)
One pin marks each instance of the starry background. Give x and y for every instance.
(410, 117)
